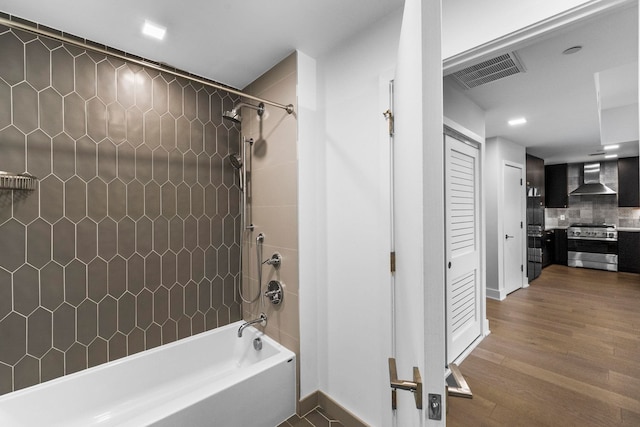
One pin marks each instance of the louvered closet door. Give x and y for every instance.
(462, 246)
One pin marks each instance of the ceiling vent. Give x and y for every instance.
(490, 70)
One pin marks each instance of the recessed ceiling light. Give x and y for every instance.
(153, 30)
(572, 50)
(610, 156)
(518, 121)
(611, 147)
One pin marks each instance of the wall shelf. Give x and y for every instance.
(22, 181)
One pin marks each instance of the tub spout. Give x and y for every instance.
(262, 319)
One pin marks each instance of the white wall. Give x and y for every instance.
(498, 150)
(462, 110)
(467, 24)
(345, 220)
(358, 317)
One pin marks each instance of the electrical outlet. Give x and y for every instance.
(562, 217)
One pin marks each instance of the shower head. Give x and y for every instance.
(235, 160)
(234, 113)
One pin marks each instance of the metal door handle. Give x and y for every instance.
(414, 386)
(506, 236)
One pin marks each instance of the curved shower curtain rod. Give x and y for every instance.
(84, 45)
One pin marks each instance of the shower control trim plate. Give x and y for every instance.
(274, 292)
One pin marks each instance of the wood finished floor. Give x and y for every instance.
(563, 352)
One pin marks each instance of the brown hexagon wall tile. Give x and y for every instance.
(126, 244)
(13, 329)
(5, 104)
(38, 64)
(38, 154)
(62, 71)
(25, 107)
(12, 51)
(26, 293)
(87, 315)
(50, 112)
(26, 373)
(75, 358)
(12, 252)
(52, 365)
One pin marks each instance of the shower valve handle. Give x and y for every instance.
(275, 260)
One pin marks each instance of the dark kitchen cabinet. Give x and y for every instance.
(628, 182)
(535, 177)
(548, 248)
(560, 247)
(629, 251)
(555, 184)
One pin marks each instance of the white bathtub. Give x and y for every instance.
(210, 379)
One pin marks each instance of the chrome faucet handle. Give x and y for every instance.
(275, 260)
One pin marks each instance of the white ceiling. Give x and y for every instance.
(557, 93)
(232, 42)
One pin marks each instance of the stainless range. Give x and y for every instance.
(593, 246)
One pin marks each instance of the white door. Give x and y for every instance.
(462, 219)
(512, 236)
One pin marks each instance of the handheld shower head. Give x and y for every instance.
(236, 162)
(234, 113)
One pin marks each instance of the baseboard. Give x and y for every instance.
(308, 404)
(495, 294)
(331, 407)
(335, 410)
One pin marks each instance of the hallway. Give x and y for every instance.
(563, 352)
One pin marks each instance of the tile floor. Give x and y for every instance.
(316, 418)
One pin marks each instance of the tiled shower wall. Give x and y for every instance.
(129, 241)
(274, 202)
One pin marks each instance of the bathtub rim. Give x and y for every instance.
(251, 330)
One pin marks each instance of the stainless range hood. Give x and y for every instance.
(592, 184)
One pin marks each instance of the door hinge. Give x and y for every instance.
(389, 116)
(521, 182)
(392, 262)
(520, 224)
(522, 268)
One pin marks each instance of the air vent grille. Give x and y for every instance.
(489, 71)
